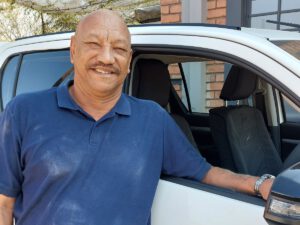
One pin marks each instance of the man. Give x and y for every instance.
(87, 154)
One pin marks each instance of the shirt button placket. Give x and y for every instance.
(93, 140)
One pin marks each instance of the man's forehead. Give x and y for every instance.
(103, 18)
(99, 25)
(113, 35)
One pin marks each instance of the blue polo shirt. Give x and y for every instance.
(65, 168)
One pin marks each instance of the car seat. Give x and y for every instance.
(240, 132)
(151, 80)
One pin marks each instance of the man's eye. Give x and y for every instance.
(93, 44)
(120, 49)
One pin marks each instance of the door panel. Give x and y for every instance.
(175, 204)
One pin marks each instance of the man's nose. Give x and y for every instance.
(106, 55)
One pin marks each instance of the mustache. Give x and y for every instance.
(110, 68)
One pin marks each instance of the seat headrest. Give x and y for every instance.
(152, 81)
(239, 84)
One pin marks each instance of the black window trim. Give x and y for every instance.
(18, 74)
(185, 87)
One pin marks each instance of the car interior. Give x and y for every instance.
(237, 134)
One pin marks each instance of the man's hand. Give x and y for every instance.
(6, 210)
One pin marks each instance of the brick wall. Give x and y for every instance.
(176, 78)
(170, 11)
(215, 70)
(214, 83)
(216, 13)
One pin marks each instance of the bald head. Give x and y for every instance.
(101, 53)
(104, 19)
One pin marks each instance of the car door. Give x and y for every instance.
(180, 201)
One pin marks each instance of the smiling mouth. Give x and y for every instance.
(104, 72)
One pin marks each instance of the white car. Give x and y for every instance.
(196, 59)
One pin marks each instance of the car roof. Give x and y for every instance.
(3, 42)
(272, 35)
(183, 29)
(254, 38)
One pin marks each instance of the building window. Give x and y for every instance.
(275, 14)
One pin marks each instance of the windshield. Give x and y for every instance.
(292, 47)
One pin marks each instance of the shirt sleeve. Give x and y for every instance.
(10, 166)
(181, 159)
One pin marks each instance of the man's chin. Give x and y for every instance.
(106, 88)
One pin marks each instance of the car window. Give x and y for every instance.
(204, 81)
(178, 84)
(200, 83)
(8, 80)
(41, 70)
(292, 112)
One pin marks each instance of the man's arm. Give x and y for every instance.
(244, 183)
(6, 210)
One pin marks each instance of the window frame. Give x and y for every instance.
(278, 13)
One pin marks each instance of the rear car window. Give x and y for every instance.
(41, 70)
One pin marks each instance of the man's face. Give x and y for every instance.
(101, 54)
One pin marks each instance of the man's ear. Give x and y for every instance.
(72, 49)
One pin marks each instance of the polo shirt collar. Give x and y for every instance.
(123, 106)
(64, 100)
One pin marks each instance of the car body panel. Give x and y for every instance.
(197, 207)
(272, 35)
(3, 42)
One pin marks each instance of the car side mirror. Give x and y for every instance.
(283, 205)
